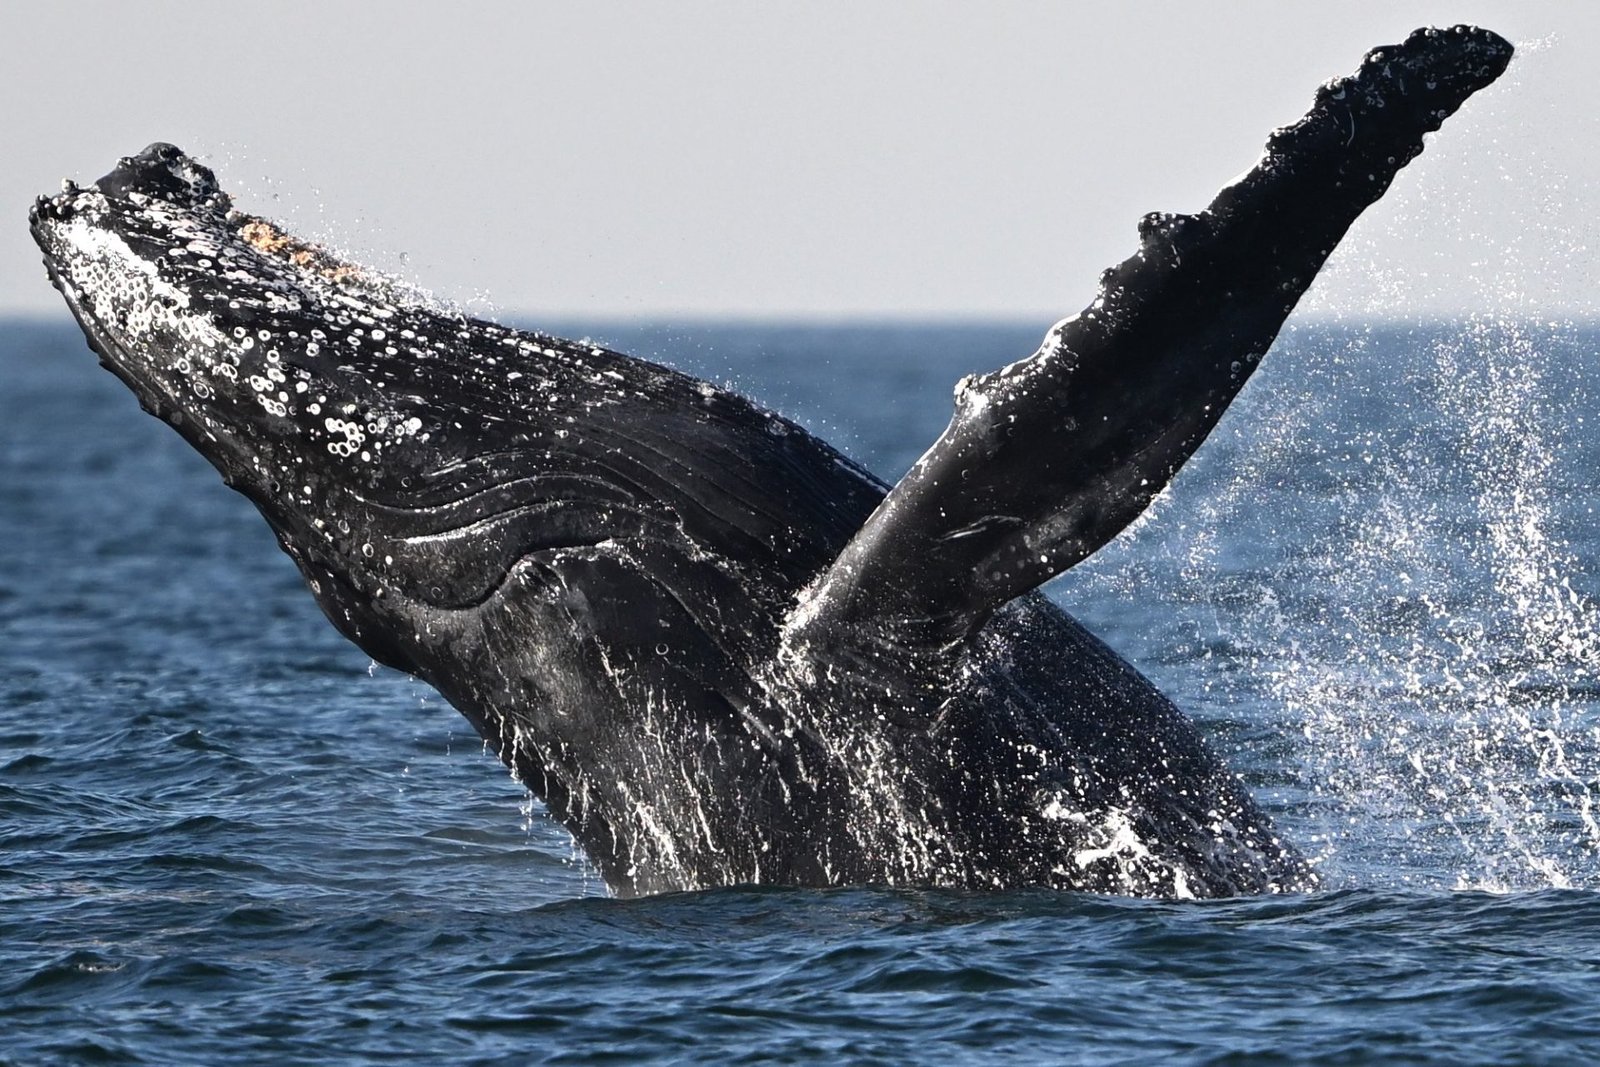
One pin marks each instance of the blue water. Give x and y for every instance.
(225, 837)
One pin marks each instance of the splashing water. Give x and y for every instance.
(1462, 723)
(1427, 631)
(1388, 546)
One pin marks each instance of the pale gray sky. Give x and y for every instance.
(798, 159)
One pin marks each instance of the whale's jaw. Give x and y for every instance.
(229, 342)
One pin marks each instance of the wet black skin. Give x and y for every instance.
(703, 637)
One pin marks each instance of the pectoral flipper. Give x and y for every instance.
(1048, 459)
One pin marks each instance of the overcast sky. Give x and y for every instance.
(798, 159)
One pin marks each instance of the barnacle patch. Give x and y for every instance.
(267, 239)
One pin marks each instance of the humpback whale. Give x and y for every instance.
(716, 648)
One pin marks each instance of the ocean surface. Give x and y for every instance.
(226, 837)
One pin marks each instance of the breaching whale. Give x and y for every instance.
(717, 649)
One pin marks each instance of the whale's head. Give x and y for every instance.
(438, 480)
(327, 395)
